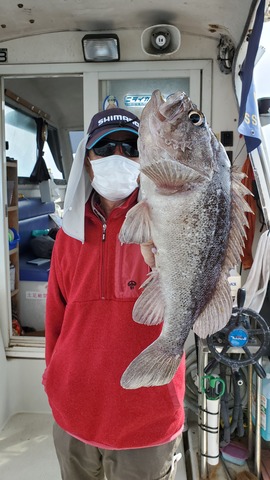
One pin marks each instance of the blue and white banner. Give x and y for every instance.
(249, 122)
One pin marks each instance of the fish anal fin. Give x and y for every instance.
(136, 227)
(217, 312)
(153, 367)
(149, 308)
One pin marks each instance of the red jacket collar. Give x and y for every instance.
(121, 210)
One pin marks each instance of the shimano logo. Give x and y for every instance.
(117, 118)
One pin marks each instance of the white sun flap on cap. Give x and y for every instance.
(77, 194)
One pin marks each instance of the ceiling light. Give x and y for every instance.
(101, 48)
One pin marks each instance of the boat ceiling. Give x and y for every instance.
(208, 18)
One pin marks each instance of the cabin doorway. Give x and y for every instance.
(67, 97)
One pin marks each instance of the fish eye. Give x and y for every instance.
(196, 117)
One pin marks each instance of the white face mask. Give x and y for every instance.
(115, 177)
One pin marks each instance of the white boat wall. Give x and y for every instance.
(42, 63)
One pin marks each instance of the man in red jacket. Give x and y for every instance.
(102, 430)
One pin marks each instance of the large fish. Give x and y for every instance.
(193, 209)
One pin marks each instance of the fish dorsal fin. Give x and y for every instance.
(171, 175)
(238, 219)
(149, 308)
(136, 227)
(218, 311)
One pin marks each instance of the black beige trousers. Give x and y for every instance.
(80, 461)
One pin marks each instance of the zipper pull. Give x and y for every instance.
(104, 226)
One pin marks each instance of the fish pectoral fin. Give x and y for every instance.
(152, 367)
(149, 308)
(136, 227)
(217, 312)
(171, 175)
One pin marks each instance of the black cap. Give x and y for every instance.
(109, 121)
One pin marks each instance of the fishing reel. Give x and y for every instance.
(246, 330)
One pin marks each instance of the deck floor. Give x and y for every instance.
(27, 450)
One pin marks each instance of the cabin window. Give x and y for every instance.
(21, 133)
(21, 138)
(133, 94)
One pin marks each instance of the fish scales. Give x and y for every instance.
(187, 210)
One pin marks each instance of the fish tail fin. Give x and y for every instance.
(153, 367)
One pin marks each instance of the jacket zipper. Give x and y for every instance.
(104, 227)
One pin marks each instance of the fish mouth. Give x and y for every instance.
(157, 101)
(174, 105)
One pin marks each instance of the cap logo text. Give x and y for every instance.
(117, 118)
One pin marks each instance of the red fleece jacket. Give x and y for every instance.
(91, 339)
